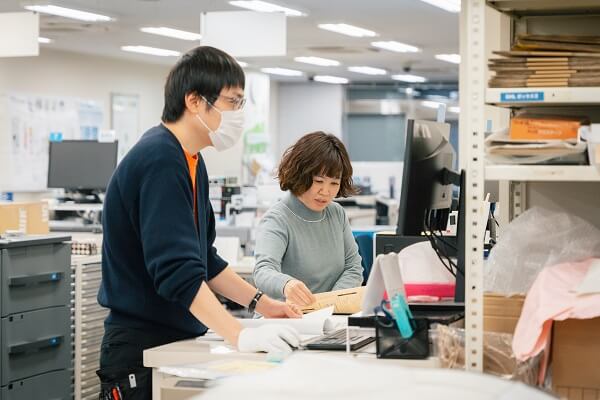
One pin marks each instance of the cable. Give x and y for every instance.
(431, 239)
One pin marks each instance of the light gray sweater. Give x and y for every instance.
(317, 248)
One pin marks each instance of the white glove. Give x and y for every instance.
(270, 338)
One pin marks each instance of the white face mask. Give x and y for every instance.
(229, 131)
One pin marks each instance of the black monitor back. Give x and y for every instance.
(81, 164)
(427, 153)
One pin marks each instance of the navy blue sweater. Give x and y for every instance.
(154, 257)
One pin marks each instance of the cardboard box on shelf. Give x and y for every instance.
(28, 217)
(575, 355)
(537, 127)
(501, 313)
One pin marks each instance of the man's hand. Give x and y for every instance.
(296, 292)
(270, 308)
(272, 338)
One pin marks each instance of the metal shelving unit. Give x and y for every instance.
(545, 7)
(89, 325)
(574, 188)
(542, 173)
(539, 97)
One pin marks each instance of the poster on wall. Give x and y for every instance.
(125, 120)
(30, 122)
(257, 157)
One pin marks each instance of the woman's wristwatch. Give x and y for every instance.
(254, 301)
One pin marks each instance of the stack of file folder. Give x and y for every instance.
(548, 61)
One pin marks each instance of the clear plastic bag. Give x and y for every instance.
(498, 358)
(537, 238)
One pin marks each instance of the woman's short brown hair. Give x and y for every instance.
(315, 154)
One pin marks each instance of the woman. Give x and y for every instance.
(304, 243)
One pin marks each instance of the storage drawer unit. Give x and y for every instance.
(54, 385)
(89, 326)
(36, 346)
(34, 277)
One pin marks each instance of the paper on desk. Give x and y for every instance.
(217, 369)
(591, 283)
(315, 323)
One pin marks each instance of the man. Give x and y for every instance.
(159, 266)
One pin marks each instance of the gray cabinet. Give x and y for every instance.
(36, 346)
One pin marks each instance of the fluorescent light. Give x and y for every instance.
(451, 58)
(44, 40)
(431, 104)
(263, 6)
(281, 71)
(68, 13)
(455, 110)
(170, 32)
(349, 30)
(409, 78)
(330, 79)
(242, 64)
(324, 62)
(448, 5)
(368, 70)
(392, 45)
(151, 50)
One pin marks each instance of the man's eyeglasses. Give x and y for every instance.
(237, 102)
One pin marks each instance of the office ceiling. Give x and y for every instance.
(413, 22)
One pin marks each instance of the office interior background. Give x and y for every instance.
(359, 70)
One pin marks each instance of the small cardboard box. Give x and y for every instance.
(534, 127)
(13, 217)
(575, 355)
(37, 218)
(31, 218)
(501, 313)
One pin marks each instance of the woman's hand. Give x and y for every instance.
(269, 308)
(296, 292)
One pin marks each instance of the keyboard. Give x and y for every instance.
(336, 340)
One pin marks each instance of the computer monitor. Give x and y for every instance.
(427, 153)
(81, 165)
(426, 193)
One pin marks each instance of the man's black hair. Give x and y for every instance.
(204, 70)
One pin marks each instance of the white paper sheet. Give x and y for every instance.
(315, 323)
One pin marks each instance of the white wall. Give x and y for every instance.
(58, 73)
(87, 77)
(307, 107)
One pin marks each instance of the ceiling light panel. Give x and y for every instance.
(151, 51)
(409, 78)
(451, 58)
(330, 79)
(281, 71)
(367, 70)
(263, 6)
(447, 5)
(68, 13)
(173, 33)
(324, 62)
(349, 30)
(44, 40)
(398, 47)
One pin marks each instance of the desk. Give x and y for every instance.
(202, 351)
